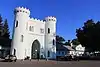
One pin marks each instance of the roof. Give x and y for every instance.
(60, 47)
(68, 47)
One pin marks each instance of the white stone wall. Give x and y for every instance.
(35, 35)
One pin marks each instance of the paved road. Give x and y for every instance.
(43, 63)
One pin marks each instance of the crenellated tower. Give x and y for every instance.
(21, 18)
(50, 38)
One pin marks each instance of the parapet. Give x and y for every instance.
(22, 9)
(50, 18)
(36, 20)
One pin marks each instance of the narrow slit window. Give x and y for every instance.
(54, 42)
(16, 24)
(33, 28)
(22, 38)
(14, 51)
(48, 30)
(29, 28)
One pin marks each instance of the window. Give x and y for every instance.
(17, 11)
(49, 19)
(31, 28)
(54, 42)
(20, 10)
(62, 53)
(58, 52)
(48, 53)
(48, 30)
(42, 30)
(22, 38)
(16, 24)
(26, 12)
(14, 51)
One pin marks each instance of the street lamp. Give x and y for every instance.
(36, 50)
(36, 53)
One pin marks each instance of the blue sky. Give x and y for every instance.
(70, 14)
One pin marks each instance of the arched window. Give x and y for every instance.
(31, 28)
(48, 30)
(22, 38)
(48, 53)
(16, 24)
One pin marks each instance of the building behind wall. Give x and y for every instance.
(33, 37)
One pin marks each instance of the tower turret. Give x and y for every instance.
(20, 22)
(50, 30)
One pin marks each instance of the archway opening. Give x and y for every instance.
(35, 50)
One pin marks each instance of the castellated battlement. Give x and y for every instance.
(22, 9)
(37, 20)
(50, 18)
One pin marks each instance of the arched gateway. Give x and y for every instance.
(35, 50)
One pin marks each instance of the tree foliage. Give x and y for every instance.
(67, 43)
(6, 33)
(59, 40)
(89, 35)
(75, 42)
(4, 29)
(1, 26)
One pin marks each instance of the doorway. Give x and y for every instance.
(35, 50)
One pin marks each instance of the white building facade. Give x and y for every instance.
(80, 50)
(33, 37)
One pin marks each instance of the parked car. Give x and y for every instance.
(10, 58)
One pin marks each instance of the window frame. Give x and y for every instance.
(41, 30)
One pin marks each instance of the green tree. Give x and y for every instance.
(89, 35)
(6, 33)
(59, 40)
(68, 43)
(75, 42)
(1, 26)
